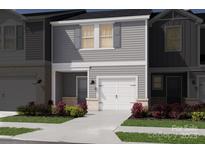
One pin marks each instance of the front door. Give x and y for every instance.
(174, 89)
(202, 89)
(81, 88)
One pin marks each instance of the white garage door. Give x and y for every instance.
(202, 89)
(117, 93)
(15, 92)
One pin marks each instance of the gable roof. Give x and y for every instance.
(112, 13)
(188, 14)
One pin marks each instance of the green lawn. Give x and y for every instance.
(36, 119)
(12, 131)
(160, 138)
(164, 123)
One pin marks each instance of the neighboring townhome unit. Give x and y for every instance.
(176, 57)
(101, 58)
(25, 56)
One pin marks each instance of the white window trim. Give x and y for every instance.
(165, 40)
(97, 37)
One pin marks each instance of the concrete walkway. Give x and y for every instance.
(160, 130)
(96, 127)
(6, 114)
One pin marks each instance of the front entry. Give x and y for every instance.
(174, 89)
(81, 87)
(117, 93)
(202, 89)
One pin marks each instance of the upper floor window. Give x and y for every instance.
(106, 37)
(87, 36)
(173, 38)
(12, 37)
(97, 36)
(9, 37)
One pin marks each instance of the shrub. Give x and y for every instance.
(60, 108)
(84, 106)
(184, 115)
(22, 110)
(138, 111)
(196, 116)
(156, 114)
(74, 111)
(43, 109)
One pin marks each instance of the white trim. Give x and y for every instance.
(53, 79)
(96, 36)
(91, 49)
(76, 84)
(118, 77)
(146, 59)
(198, 77)
(112, 19)
(86, 65)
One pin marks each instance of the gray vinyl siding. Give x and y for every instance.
(34, 40)
(187, 57)
(118, 71)
(132, 45)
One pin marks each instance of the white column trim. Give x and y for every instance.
(146, 60)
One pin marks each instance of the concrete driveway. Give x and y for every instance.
(96, 127)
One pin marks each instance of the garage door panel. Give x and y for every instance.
(15, 92)
(117, 93)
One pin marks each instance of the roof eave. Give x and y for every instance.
(96, 20)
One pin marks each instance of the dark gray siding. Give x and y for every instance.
(189, 53)
(34, 40)
(132, 45)
(118, 71)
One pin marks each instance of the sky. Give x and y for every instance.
(21, 11)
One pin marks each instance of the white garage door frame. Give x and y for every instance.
(198, 84)
(98, 78)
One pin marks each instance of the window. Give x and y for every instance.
(9, 37)
(173, 38)
(157, 82)
(106, 37)
(87, 36)
(0, 38)
(19, 37)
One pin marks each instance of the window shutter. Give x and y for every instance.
(77, 39)
(19, 37)
(117, 35)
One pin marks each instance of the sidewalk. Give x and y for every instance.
(161, 130)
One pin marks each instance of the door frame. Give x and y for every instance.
(198, 78)
(181, 78)
(98, 78)
(76, 84)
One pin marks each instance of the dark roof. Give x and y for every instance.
(201, 15)
(52, 13)
(113, 13)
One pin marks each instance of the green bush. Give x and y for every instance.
(196, 116)
(35, 109)
(74, 111)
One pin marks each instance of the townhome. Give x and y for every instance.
(176, 57)
(25, 56)
(101, 58)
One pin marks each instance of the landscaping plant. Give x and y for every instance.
(74, 111)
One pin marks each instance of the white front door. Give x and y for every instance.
(117, 93)
(202, 89)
